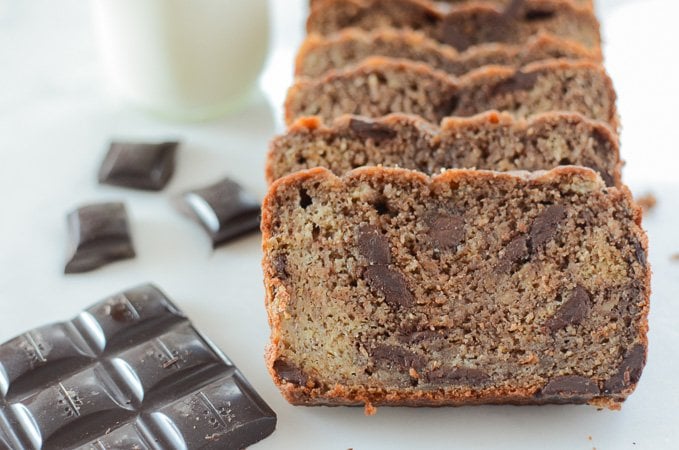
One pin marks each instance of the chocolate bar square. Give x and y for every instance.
(225, 210)
(99, 234)
(138, 165)
(128, 372)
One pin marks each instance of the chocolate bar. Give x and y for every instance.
(224, 209)
(99, 234)
(129, 372)
(139, 165)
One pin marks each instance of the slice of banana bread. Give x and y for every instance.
(461, 26)
(493, 141)
(387, 287)
(319, 54)
(380, 86)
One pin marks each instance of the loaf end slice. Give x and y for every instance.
(387, 287)
(492, 141)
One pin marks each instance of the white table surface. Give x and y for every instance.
(55, 121)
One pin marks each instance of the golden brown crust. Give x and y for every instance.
(584, 180)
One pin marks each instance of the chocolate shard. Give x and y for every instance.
(370, 130)
(225, 210)
(137, 165)
(457, 375)
(520, 81)
(99, 234)
(546, 225)
(396, 357)
(290, 373)
(629, 372)
(570, 385)
(446, 231)
(129, 372)
(516, 252)
(391, 284)
(373, 245)
(572, 312)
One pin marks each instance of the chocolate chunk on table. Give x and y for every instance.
(129, 372)
(224, 209)
(136, 165)
(99, 234)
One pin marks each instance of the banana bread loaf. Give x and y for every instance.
(319, 54)
(387, 287)
(494, 141)
(461, 26)
(380, 86)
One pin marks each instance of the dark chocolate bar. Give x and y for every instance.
(98, 234)
(224, 210)
(131, 372)
(139, 165)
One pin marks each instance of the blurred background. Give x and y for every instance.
(58, 111)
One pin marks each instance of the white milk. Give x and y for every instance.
(189, 59)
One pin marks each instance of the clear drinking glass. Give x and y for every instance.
(184, 59)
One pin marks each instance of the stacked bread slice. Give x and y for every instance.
(446, 222)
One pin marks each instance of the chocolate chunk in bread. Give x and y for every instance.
(380, 86)
(433, 327)
(573, 312)
(320, 54)
(373, 245)
(546, 225)
(488, 141)
(463, 26)
(570, 385)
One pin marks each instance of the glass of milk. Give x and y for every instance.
(183, 59)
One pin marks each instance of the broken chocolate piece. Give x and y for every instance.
(139, 165)
(458, 375)
(447, 231)
(367, 129)
(99, 234)
(373, 245)
(224, 210)
(391, 283)
(629, 372)
(546, 225)
(148, 381)
(573, 312)
(290, 373)
(571, 385)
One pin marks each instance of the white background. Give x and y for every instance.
(55, 122)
